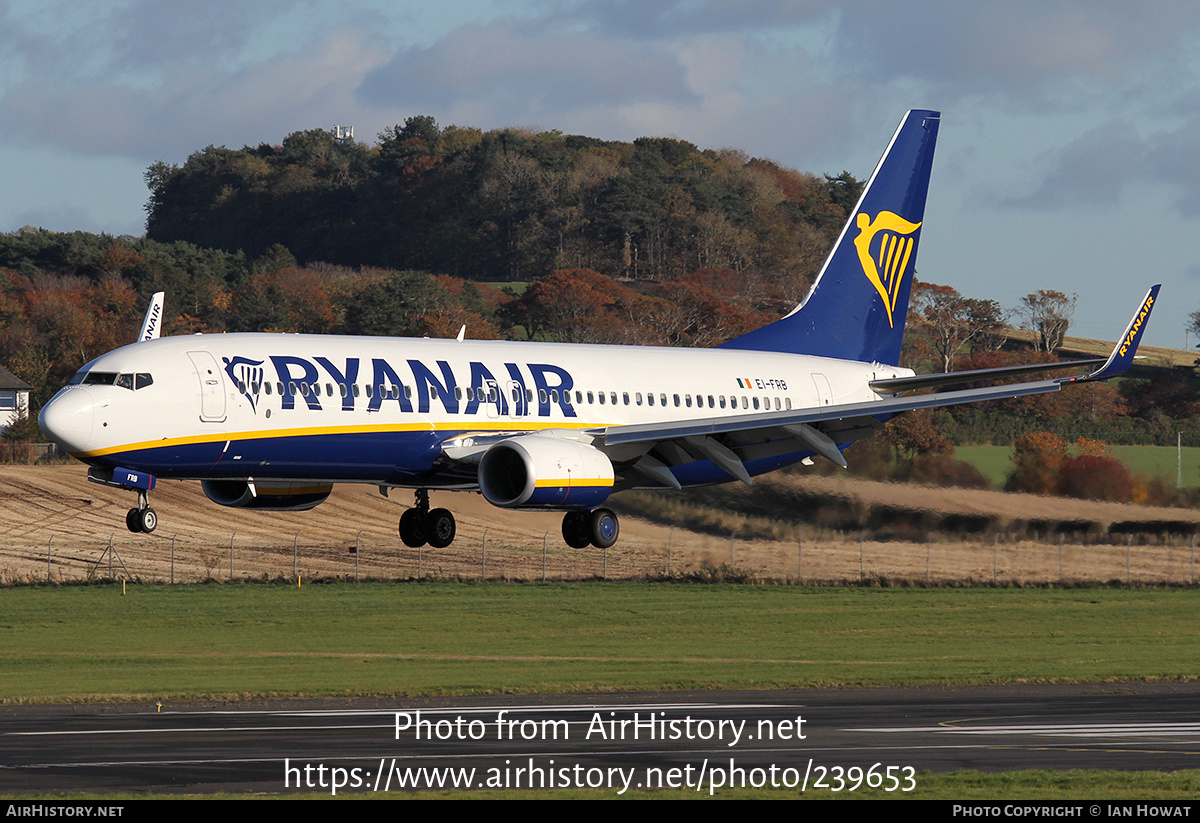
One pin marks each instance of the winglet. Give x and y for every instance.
(153, 320)
(1122, 354)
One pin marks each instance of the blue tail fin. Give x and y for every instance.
(858, 303)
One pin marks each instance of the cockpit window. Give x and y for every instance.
(107, 378)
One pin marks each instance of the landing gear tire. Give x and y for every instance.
(605, 528)
(441, 528)
(414, 531)
(133, 520)
(147, 519)
(576, 529)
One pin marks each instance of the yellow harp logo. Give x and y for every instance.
(884, 246)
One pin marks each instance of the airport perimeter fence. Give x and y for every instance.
(824, 558)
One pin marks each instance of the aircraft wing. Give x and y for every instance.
(653, 448)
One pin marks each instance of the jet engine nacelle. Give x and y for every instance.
(538, 472)
(250, 494)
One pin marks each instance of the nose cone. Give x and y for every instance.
(67, 419)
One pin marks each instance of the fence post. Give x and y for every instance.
(800, 560)
(49, 552)
(1128, 549)
(670, 534)
(295, 552)
(995, 556)
(544, 535)
(357, 552)
(860, 557)
(1060, 559)
(483, 558)
(173, 557)
(231, 554)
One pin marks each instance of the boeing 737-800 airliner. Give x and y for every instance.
(272, 421)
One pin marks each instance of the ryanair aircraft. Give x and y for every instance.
(272, 421)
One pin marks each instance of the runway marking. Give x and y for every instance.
(438, 711)
(1058, 730)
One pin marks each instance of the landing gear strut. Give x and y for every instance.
(143, 518)
(420, 525)
(599, 528)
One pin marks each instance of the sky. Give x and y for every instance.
(1068, 156)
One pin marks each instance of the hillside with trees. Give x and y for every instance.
(528, 236)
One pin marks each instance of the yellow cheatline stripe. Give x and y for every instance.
(567, 481)
(309, 431)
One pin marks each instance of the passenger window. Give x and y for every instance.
(601, 398)
(787, 402)
(458, 392)
(578, 397)
(625, 398)
(241, 386)
(756, 403)
(649, 399)
(687, 400)
(712, 404)
(638, 398)
(662, 398)
(554, 395)
(542, 398)
(591, 399)
(267, 388)
(613, 397)
(676, 401)
(722, 399)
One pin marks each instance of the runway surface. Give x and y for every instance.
(810, 739)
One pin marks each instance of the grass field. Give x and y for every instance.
(995, 462)
(90, 643)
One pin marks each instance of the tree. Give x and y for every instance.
(952, 321)
(1048, 315)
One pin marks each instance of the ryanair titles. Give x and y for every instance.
(516, 390)
(1135, 328)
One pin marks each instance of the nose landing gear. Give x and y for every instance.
(143, 518)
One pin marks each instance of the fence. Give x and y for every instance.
(823, 557)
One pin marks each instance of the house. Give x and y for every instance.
(14, 398)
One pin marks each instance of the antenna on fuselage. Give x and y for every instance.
(153, 320)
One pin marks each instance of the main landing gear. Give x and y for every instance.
(143, 518)
(599, 528)
(419, 525)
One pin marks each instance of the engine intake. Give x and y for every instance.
(537, 472)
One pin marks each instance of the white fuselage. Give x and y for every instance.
(377, 410)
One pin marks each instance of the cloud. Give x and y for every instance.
(528, 72)
(195, 106)
(1051, 49)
